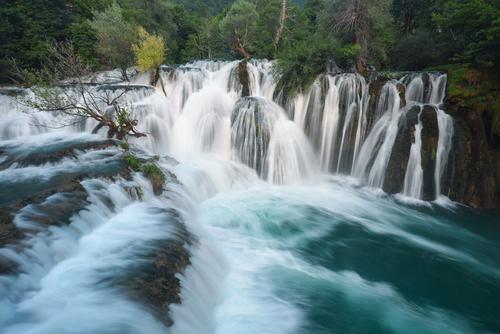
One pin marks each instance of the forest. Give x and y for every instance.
(305, 37)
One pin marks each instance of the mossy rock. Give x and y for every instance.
(155, 176)
(132, 161)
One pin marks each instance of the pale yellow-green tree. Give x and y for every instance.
(149, 54)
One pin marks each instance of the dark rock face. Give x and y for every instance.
(396, 168)
(402, 94)
(430, 138)
(244, 78)
(472, 171)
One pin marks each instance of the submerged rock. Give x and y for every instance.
(155, 282)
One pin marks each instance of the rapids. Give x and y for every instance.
(292, 230)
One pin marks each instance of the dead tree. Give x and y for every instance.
(281, 24)
(61, 86)
(354, 17)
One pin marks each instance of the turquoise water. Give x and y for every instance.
(333, 258)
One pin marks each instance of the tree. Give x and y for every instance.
(25, 28)
(410, 15)
(475, 26)
(200, 44)
(366, 22)
(149, 54)
(60, 87)
(281, 24)
(115, 38)
(239, 26)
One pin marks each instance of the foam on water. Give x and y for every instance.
(279, 247)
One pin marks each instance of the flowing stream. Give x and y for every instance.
(293, 233)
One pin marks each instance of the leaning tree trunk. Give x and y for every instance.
(281, 25)
(240, 48)
(155, 76)
(125, 75)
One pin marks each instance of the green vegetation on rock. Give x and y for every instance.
(155, 176)
(132, 161)
(150, 169)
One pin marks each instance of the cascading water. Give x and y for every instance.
(276, 245)
(377, 149)
(414, 172)
(336, 123)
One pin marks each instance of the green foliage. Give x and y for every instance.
(403, 34)
(477, 22)
(240, 23)
(301, 63)
(155, 176)
(115, 37)
(154, 173)
(149, 51)
(418, 51)
(132, 161)
(350, 51)
(29, 27)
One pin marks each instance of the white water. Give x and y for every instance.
(219, 143)
(414, 172)
(373, 162)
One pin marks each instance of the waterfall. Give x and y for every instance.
(290, 158)
(250, 202)
(414, 172)
(415, 90)
(329, 126)
(377, 149)
(253, 121)
(334, 122)
(437, 90)
(333, 115)
(445, 124)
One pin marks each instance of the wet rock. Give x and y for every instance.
(42, 210)
(155, 283)
(51, 153)
(472, 171)
(402, 94)
(396, 168)
(430, 138)
(244, 78)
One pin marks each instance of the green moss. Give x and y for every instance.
(139, 192)
(132, 161)
(155, 176)
(472, 87)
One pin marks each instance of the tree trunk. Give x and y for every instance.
(125, 75)
(153, 80)
(281, 26)
(240, 48)
(360, 61)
